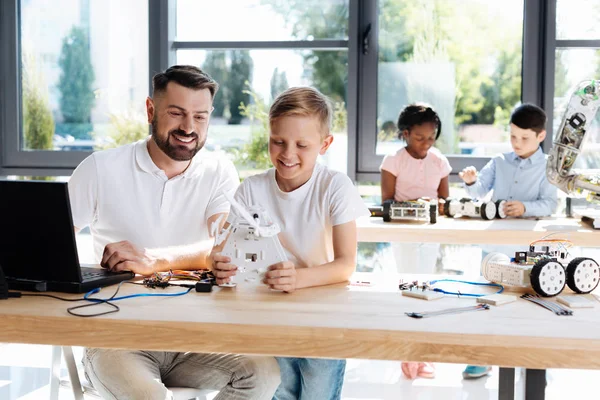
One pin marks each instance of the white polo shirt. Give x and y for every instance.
(122, 195)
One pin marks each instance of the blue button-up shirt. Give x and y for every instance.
(514, 178)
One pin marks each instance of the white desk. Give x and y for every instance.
(477, 231)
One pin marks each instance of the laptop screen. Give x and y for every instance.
(36, 227)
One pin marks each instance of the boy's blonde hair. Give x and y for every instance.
(303, 101)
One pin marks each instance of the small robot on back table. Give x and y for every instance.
(476, 209)
(411, 210)
(547, 267)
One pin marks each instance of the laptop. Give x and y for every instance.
(38, 251)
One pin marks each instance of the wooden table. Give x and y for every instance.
(334, 321)
(477, 231)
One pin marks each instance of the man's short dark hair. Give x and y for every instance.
(529, 116)
(187, 76)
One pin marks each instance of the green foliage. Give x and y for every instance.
(76, 78)
(320, 20)
(240, 73)
(279, 83)
(126, 128)
(340, 118)
(216, 66)
(485, 52)
(38, 123)
(255, 154)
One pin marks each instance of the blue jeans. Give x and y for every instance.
(310, 379)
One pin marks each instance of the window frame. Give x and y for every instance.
(539, 45)
(532, 89)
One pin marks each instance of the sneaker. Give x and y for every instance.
(475, 371)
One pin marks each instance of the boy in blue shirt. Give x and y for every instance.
(519, 177)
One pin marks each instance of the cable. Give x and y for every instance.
(108, 301)
(430, 283)
(114, 298)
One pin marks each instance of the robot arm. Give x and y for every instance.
(568, 142)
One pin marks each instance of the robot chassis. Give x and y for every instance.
(545, 267)
(411, 210)
(251, 243)
(475, 209)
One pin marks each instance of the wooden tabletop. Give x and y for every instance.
(477, 231)
(336, 321)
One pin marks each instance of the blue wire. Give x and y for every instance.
(94, 291)
(468, 283)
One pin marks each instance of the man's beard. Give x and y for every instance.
(176, 152)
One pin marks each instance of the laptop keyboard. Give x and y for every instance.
(88, 274)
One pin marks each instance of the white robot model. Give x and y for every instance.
(545, 267)
(568, 142)
(252, 243)
(412, 210)
(477, 209)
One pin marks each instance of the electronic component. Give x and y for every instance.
(547, 304)
(478, 307)
(497, 299)
(547, 267)
(423, 294)
(476, 209)
(575, 301)
(423, 209)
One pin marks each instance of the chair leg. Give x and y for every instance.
(73, 374)
(55, 372)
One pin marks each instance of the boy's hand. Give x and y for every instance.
(222, 269)
(281, 276)
(469, 175)
(514, 208)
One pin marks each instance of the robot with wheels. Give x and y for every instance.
(476, 209)
(546, 267)
(568, 141)
(251, 243)
(412, 210)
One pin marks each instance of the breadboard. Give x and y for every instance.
(575, 301)
(423, 294)
(497, 299)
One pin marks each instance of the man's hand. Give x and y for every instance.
(468, 175)
(124, 256)
(281, 276)
(514, 208)
(222, 269)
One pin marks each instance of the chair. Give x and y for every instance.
(79, 387)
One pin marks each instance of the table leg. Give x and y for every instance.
(535, 384)
(506, 384)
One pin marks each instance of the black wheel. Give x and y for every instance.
(432, 213)
(447, 206)
(500, 209)
(548, 277)
(487, 210)
(387, 212)
(583, 275)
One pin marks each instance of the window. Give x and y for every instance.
(81, 82)
(267, 47)
(462, 57)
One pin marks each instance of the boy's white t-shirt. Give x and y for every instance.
(122, 195)
(306, 215)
